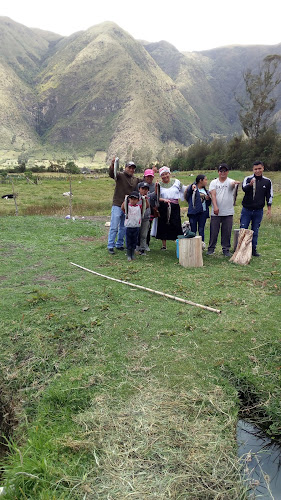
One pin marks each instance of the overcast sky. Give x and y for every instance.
(187, 24)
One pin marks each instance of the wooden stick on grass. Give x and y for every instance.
(150, 290)
(70, 197)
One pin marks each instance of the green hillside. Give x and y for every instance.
(191, 76)
(102, 90)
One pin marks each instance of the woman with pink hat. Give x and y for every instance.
(170, 191)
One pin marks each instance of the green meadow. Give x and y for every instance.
(111, 392)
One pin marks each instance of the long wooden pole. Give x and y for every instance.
(70, 197)
(150, 290)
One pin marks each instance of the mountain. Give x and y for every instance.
(209, 80)
(190, 73)
(21, 53)
(95, 90)
(224, 68)
(102, 90)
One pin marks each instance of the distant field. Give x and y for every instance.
(92, 194)
(10, 159)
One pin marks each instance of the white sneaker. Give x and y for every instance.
(203, 245)
(147, 249)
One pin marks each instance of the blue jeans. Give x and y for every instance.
(255, 217)
(200, 221)
(116, 226)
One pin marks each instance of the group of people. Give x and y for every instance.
(141, 206)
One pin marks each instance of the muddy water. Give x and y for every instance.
(261, 461)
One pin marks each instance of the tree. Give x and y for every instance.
(22, 162)
(71, 168)
(256, 111)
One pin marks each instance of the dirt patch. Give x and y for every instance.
(89, 239)
(3, 278)
(46, 277)
(86, 238)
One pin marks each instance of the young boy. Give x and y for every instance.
(133, 211)
(145, 223)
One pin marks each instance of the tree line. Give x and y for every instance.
(239, 152)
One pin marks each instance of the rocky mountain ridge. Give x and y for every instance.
(102, 90)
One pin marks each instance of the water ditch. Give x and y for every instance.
(261, 462)
(259, 454)
(7, 424)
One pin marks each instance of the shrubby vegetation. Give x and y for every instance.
(238, 152)
(60, 166)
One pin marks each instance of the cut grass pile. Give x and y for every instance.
(112, 393)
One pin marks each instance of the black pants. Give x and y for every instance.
(223, 223)
(132, 234)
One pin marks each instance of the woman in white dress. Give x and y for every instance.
(169, 220)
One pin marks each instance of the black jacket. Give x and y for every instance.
(263, 192)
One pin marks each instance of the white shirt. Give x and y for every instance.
(224, 196)
(134, 216)
(174, 190)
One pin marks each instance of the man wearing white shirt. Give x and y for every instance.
(221, 191)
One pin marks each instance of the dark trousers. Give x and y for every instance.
(132, 234)
(223, 223)
(198, 220)
(255, 217)
(148, 234)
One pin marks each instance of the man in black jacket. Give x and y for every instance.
(258, 189)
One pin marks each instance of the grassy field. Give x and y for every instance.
(109, 392)
(9, 159)
(92, 194)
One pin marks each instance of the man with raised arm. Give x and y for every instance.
(221, 191)
(258, 190)
(125, 183)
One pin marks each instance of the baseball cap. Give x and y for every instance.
(143, 185)
(223, 166)
(148, 171)
(134, 194)
(130, 164)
